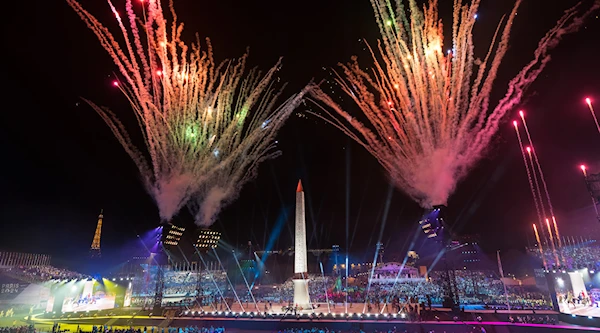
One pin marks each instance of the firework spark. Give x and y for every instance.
(537, 189)
(594, 203)
(588, 101)
(428, 110)
(558, 238)
(529, 178)
(552, 242)
(537, 164)
(197, 117)
(537, 237)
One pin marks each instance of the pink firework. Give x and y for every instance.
(428, 111)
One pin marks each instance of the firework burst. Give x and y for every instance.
(428, 110)
(199, 119)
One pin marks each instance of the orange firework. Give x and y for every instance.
(529, 178)
(537, 237)
(552, 242)
(537, 190)
(542, 179)
(206, 125)
(559, 241)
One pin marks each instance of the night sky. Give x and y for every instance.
(61, 164)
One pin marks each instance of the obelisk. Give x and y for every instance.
(301, 297)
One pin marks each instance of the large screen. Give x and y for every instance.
(578, 292)
(65, 295)
(89, 297)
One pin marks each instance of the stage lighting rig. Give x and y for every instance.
(432, 222)
(435, 227)
(171, 235)
(207, 239)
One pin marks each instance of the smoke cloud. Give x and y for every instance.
(171, 193)
(211, 205)
(434, 178)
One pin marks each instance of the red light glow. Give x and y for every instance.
(159, 73)
(515, 123)
(528, 149)
(521, 113)
(582, 167)
(115, 83)
(588, 100)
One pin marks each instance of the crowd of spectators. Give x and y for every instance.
(317, 288)
(179, 284)
(573, 256)
(187, 289)
(38, 274)
(323, 289)
(18, 329)
(474, 329)
(532, 319)
(187, 329)
(184, 283)
(474, 288)
(327, 330)
(486, 288)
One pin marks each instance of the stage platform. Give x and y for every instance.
(264, 325)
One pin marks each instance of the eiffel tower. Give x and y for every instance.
(95, 249)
